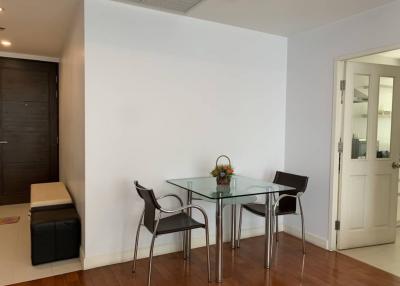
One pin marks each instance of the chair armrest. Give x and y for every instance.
(171, 195)
(297, 196)
(188, 207)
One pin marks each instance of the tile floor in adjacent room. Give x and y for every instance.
(15, 262)
(385, 257)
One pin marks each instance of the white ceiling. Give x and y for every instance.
(174, 5)
(36, 27)
(281, 17)
(39, 27)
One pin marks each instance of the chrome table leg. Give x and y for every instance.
(188, 235)
(219, 243)
(268, 231)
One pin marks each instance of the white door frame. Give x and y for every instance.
(337, 122)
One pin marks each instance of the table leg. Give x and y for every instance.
(219, 243)
(268, 231)
(233, 226)
(188, 235)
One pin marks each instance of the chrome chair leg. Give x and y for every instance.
(302, 226)
(233, 226)
(151, 259)
(240, 226)
(184, 245)
(136, 243)
(208, 253)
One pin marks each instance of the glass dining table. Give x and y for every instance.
(240, 187)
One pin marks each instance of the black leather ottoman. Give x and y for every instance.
(55, 234)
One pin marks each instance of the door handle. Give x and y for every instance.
(396, 165)
(3, 142)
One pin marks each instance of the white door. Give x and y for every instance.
(369, 171)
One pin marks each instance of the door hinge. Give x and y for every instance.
(56, 93)
(342, 89)
(337, 225)
(343, 85)
(340, 146)
(58, 140)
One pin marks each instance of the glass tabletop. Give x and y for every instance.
(240, 186)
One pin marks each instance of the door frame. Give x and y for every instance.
(337, 125)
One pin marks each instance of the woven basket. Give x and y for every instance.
(223, 180)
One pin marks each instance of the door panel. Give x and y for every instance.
(356, 215)
(19, 177)
(29, 123)
(371, 137)
(26, 127)
(25, 85)
(380, 200)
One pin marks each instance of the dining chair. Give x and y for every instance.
(179, 221)
(285, 204)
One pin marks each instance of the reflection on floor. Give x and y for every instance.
(385, 257)
(15, 263)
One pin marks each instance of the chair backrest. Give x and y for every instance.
(288, 205)
(150, 206)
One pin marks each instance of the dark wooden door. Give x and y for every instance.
(28, 127)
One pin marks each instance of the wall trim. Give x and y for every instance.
(82, 255)
(310, 237)
(336, 134)
(29, 57)
(159, 249)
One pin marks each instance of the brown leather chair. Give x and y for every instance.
(178, 222)
(286, 204)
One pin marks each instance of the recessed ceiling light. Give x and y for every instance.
(5, 43)
(1, 9)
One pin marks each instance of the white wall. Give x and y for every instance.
(165, 95)
(311, 59)
(72, 110)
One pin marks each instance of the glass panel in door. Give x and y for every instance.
(384, 117)
(360, 116)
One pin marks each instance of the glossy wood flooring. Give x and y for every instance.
(241, 267)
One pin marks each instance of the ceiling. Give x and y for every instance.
(181, 6)
(39, 27)
(36, 27)
(281, 17)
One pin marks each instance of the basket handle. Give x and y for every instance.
(223, 156)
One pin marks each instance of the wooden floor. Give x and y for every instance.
(241, 267)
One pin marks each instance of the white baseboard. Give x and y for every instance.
(310, 237)
(159, 249)
(82, 256)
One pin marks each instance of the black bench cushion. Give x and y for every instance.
(55, 235)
